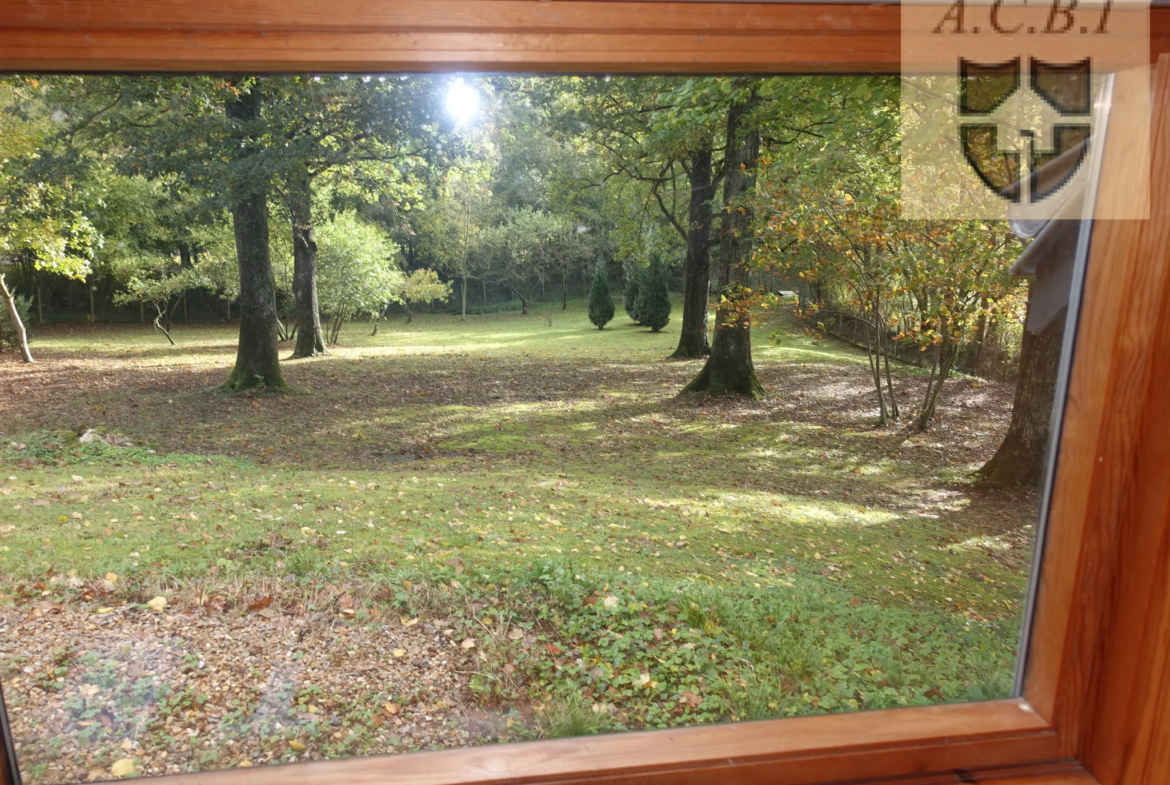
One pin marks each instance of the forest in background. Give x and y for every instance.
(297, 203)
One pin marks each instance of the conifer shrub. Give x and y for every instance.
(600, 306)
(654, 297)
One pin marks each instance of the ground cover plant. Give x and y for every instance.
(458, 532)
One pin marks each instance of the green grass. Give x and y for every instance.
(674, 561)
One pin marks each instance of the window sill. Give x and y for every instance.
(974, 738)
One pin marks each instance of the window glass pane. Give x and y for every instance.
(382, 413)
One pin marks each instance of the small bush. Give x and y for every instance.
(653, 297)
(601, 308)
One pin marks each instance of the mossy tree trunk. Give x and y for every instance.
(1020, 460)
(729, 369)
(310, 339)
(692, 339)
(257, 358)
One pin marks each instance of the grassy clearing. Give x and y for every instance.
(618, 558)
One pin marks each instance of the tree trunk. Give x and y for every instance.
(158, 323)
(934, 384)
(1020, 460)
(257, 357)
(729, 368)
(463, 292)
(17, 325)
(185, 264)
(894, 413)
(564, 289)
(40, 305)
(875, 368)
(980, 354)
(336, 322)
(310, 341)
(692, 339)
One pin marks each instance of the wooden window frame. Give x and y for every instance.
(1097, 677)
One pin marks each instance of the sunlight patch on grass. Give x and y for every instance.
(584, 465)
(986, 542)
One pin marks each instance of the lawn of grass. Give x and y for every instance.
(604, 554)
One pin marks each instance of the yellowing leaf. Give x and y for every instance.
(391, 708)
(297, 746)
(112, 577)
(157, 604)
(407, 621)
(468, 644)
(103, 611)
(399, 653)
(123, 768)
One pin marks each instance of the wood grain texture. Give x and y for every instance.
(1125, 729)
(820, 749)
(512, 16)
(406, 35)
(1103, 433)
(193, 51)
(1098, 670)
(1065, 775)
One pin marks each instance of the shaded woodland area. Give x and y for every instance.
(294, 197)
(566, 404)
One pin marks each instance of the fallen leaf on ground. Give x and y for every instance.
(260, 605)
(123, 768)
